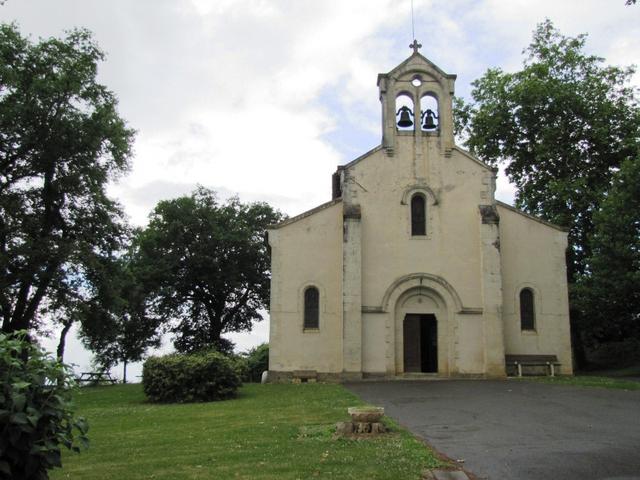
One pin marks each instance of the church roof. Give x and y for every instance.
(406, 65)
(306, 214)
(531, 217)
(361, 157)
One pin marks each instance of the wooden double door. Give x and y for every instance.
(420, 343)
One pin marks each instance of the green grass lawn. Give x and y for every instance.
(631, 371)
(268, 432)
(589, 381)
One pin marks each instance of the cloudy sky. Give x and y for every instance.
(263, 98)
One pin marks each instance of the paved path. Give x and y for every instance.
(520, 430)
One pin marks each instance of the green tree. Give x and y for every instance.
(610, 294)
(118, 326)
(61, 142)
(81, 291)
(562, 126)
(207, 266)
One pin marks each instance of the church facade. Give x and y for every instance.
(414, 266)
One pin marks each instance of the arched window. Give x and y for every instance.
(527, 310)
(311, 308)
(418, 215)
(404, 112)
(429, 116)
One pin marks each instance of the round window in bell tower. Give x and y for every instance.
(417, 81)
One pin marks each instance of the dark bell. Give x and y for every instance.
(405, 119)
(429, 123)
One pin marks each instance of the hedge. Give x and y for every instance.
(198, 377)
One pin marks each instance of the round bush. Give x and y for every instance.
(36, 413)
(198, 377)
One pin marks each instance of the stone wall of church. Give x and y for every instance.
(471, 355)
(307, 252)
(454, 187)
(533, 257)
(374, 330)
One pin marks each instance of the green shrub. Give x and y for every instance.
(241, 366)
(197, 377)
(36, 414)
(257, 360)
(616, 354)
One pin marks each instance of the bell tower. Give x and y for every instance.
(417, 99)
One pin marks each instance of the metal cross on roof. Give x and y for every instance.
(415, 45)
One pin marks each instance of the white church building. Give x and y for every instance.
(414, 267)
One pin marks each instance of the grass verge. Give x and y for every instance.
(268, 432)
(631, 371)
(588, 381)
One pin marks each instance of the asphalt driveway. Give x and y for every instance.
(519, 430)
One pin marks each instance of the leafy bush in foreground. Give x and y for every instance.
(36, 415)
(197, 377)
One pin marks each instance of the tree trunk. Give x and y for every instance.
(63, 340)
(124, 371)
(578, 347)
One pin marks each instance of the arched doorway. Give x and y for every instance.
(421, 294)
(420, 331)
(420, 334)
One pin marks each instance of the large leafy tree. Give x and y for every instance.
(118, 325)
(80, 290)
(206, 265)
(561, 126)
(61, 142)
(611, 293)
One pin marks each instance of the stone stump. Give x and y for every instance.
(344, 428)
(365, 420)
(378, 428)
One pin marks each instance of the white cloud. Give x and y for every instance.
(505, 190)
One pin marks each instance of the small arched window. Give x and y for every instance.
(311, 308)
(527, 310)
(418, 215)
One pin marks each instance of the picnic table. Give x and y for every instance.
(96, 378)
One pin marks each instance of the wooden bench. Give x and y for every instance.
(519, 361)
(96, 378)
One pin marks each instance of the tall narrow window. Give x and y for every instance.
(527, 310)
(418, 215)
(311, 308)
